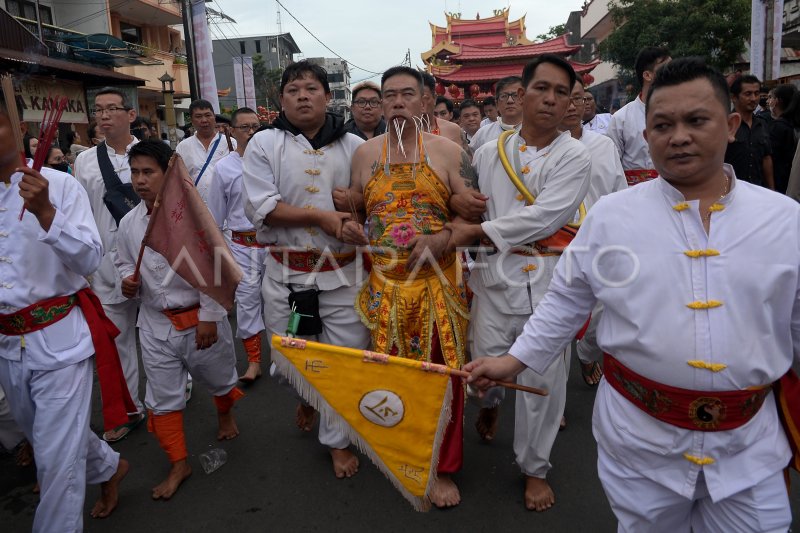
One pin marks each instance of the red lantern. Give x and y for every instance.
(454, 90)
(475, 89)
(588, 79)
(440, 89)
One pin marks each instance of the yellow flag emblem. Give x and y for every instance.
(395, 410)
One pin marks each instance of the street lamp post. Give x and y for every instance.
(169, 108)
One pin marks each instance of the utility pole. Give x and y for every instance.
(188, 38)
(278, 39)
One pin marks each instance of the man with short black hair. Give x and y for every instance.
(367, 121)
(470, 118)
(592, 120)
(443, 108)
(750, 154)
(508, 91)
(226, 203)
(114, 117)
(489, 110)
(628, 123)
(687, 396)
(534, 181)
(290, 173)
(201, 151)
(445, 128)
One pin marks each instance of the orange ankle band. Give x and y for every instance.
(225, 402)
(252, 346)
(168, 429)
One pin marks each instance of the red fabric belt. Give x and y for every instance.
(312, 261)
(117, 401)
(640, 175)
(687, 409)
(246, 238)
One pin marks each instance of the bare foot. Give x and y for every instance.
(487, 423)
(563, 424)
(109, 492)
(345, 462)
(444, 492)
(227, 426)
(591, 372)
(306, 415)
(538, 494)
(177, 474)
(36, 488)
(252, 374)
(24, 454)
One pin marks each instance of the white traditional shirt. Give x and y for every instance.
(281, 167)
(491, 132)
(225, 200)
(627, 132)
(105, 282)
(194, 155)
(161, 287)
(485, 121)
(599, 123)
(644, 254)
(36, 265)
(607, 173)
(558, 176)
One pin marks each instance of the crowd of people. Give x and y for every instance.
(494, 233)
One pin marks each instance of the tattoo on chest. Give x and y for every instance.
(374, 167)
(468, 173)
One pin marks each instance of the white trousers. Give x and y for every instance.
(642, 505)
(341, 326)
(537, 418)
(249, 303)
(53, 409)
(123, 315)
(166, 364)
(10, 433)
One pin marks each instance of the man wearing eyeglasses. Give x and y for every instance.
(114, 116)
(227, 206)
(607, 177)
(509, 105)
(201, 151)
(367, 121)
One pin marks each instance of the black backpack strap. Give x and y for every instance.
(110, 177)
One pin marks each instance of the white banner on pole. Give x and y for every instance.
(777, 35)
(243, 77)
(204, 64)
(758, 29)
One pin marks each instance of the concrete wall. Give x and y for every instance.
(91, 17)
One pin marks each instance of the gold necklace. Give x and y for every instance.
(725, 191)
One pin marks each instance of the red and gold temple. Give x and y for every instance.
(468, 56)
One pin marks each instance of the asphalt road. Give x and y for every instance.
(280, 479)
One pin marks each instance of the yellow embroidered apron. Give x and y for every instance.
(402, 308)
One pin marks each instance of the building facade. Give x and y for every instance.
(277, 51)
(339, 81)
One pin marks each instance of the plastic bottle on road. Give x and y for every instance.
(213, 459)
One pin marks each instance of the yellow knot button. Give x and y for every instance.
(523, 148)
(526, 169)
(529, 268)
(698, 305)
(312, 189)
(702, 461)
(716, 207)
(681, 207)
(311, 231)
(309, 206)
(312, 171)
(714, 367)
(694, 254)
(520, 197)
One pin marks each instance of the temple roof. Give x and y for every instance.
(477, 73)
(559, 45)
(492, 31)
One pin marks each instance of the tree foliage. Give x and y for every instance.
(714, 29)
(267, 82)
(552, 33)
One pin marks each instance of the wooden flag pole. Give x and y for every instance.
(156, 205)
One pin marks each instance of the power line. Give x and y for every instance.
(323, 44)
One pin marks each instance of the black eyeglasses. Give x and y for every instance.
(361, 102)
(247, 127)
(97, 112)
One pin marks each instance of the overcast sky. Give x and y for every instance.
(371, 34)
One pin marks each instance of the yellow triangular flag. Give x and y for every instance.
(395, 410)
